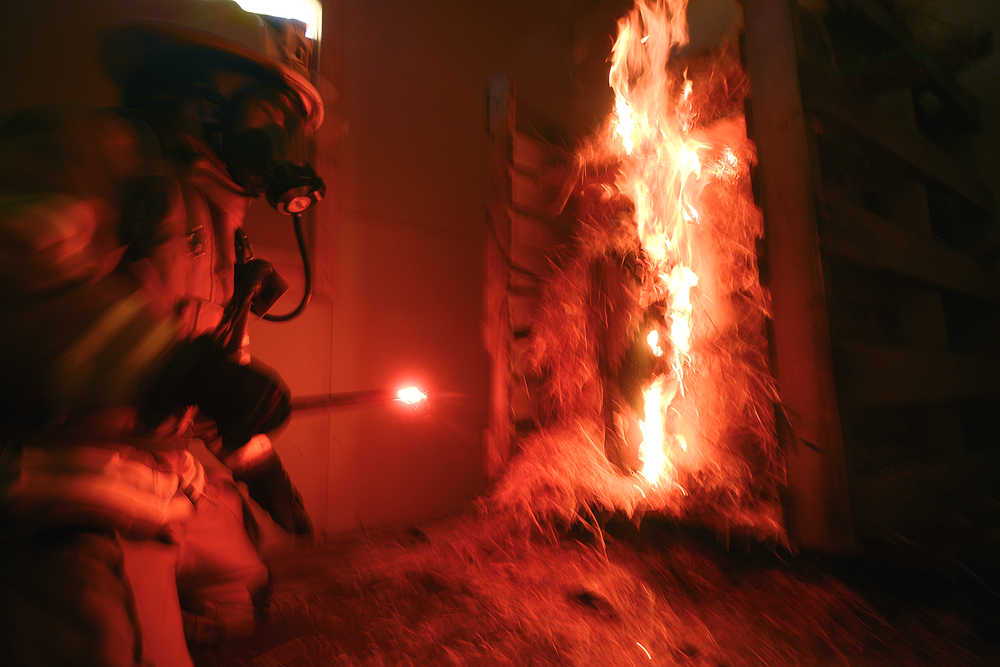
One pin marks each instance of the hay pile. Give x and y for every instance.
(589, 355)
(475, 593)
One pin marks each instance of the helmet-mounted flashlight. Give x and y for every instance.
(294, 188)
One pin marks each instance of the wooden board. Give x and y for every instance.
(877, 375)
(908, 146)
(855, 234)
(818, 507)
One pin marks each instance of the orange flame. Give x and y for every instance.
(651, 454)
(653, 340)
(662, 172)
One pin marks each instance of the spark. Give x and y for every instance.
(648, 654)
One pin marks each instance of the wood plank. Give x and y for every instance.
(875, 375)
(522, 309)
(940, 79)
(540, 195)
(523, 404)
(535, 156)
(532, 231)
(500, 117)
(818, 514)
(908, 146)
(532, 241)
(855, 234)
(520, 365)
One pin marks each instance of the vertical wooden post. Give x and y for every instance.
(817, 504)
(500, 105)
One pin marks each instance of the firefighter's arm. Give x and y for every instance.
(81, 336)
(257, 465)
(81, 333)
(246, 401)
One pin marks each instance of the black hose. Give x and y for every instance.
(306, 269)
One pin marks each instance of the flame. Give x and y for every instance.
(410, 395)
(662, 171)
(653, 340)
(651, 453)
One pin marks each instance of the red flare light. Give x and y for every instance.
(411, 395)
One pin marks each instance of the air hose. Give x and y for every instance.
(307, 272)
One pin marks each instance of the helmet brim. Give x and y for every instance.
(126, 51)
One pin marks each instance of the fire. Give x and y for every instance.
(662, 172)
(653, 340)
(651, 454)
(410, 395)
(665, 375)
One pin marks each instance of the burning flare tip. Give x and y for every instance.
(410, 395)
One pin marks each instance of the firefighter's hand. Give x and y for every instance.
(270, 487)
(242, 400)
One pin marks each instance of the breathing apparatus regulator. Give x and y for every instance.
(262, 144)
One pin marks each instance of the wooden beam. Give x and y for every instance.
(878, 375)
(908, 146)
(940, 79)
(862, 237)
(818, 508)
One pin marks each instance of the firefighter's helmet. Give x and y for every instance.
(218, 33)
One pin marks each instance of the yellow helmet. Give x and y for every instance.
(218, 32)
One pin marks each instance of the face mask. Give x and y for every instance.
(264, 149)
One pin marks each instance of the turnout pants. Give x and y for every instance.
(74, 596)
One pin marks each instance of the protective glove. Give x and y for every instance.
(270, 487)
(243, 400)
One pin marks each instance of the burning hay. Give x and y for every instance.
(650, 341)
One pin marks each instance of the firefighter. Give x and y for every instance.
(117, 261)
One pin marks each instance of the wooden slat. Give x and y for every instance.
(531, 242)
(940, 78)
(522, 309)
(501, 103)
(530, 195)
(874, 375)
(532, 155)
(540, 195)
(910, 147)
(523, 405)
(867, 239)
(520, 349)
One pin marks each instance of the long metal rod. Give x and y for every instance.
(342, 400)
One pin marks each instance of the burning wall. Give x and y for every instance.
(650, 339)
